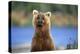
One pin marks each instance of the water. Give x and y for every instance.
(61, 35)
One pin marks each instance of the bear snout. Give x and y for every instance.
(40, 24)
(40, 21)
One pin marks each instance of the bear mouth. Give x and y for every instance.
(39, 25)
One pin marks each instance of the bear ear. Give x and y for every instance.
(35, 12)
(48, 14)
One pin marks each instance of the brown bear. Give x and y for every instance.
(41, 40)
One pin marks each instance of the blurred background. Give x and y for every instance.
(64, 25)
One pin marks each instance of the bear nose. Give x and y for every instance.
(40, 21)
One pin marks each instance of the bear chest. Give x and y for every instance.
(43, 43)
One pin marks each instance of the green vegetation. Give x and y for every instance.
(62, 14)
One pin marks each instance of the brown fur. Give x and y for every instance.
(41, 40)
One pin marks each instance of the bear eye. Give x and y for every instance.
(43, 17)
(38, 17)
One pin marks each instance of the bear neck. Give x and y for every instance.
(42, 33)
